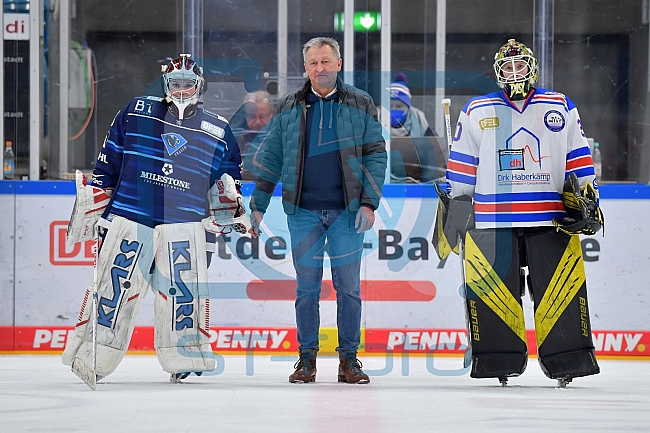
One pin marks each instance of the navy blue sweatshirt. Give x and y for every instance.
(322, 185)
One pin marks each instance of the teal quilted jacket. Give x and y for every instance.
(362, 151)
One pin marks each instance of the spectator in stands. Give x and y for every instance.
(419, 159)
(248, 125)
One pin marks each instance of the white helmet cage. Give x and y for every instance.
(520, 79)
(184, 69)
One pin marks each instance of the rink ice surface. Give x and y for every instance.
(38, 393)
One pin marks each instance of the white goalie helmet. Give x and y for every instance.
(515, 69)
(183, 85)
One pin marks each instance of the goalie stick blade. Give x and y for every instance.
(84, 373)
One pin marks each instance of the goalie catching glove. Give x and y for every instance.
(89, 206)
(227, 212)
(583, 215)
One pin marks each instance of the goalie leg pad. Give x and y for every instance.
(123, 269)
(557, 278)
(495, 318)
(76, 338)
(181, 307)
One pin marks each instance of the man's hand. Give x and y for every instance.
(365, 219)
(256, 220)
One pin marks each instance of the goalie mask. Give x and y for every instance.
(183, 85)
(516, 69)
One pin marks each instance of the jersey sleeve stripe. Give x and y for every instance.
(463, 157)
(146, 155)
(582, 162)
(118, 149)
(149, 137)
(199, 211)
(581, 151)
(582, 172)
(461, 178)
(459, 167)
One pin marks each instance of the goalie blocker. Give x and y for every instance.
(495, 284)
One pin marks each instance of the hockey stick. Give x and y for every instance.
(446, 103)
(467, 361)
(89, 373)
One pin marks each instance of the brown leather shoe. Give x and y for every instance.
(350, 369)
(305, 367)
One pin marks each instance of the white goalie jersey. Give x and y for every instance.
(532, 145)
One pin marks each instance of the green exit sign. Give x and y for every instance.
(363, 21)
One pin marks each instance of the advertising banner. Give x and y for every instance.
(412, 301)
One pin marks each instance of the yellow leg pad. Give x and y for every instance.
(485, 282)
(569, 276)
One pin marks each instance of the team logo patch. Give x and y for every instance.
(489, 123)
(511, 159)
(212, 129)
(173, 142)
(167, 169)
(554, 121)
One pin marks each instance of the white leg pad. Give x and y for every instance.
(123, 279)
(75, 340)
(181, 307)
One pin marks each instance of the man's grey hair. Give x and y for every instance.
(319, 42)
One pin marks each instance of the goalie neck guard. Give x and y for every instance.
(515, 69)
(183, 85)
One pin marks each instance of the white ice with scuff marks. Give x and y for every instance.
(38, 393)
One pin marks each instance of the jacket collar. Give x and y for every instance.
(341, 87)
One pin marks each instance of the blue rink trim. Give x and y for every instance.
(62, 187)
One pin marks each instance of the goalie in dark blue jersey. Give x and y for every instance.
(167, 176)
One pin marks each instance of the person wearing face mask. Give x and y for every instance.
(405, 120)
(420, 158)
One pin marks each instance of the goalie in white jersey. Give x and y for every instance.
(521, 188)
(166, 180)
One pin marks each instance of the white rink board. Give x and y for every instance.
(48, 294)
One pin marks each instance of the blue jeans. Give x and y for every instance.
(313, 233)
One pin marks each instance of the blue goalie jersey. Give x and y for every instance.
(161, 168)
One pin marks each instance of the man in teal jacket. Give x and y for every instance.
(326, 147)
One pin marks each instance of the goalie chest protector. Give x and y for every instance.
(164, 168)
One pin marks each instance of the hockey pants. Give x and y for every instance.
(495, 282)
